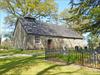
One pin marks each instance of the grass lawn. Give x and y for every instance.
(34, 65)
(11, 52)
(38, 66)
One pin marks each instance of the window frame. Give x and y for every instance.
(37, 39)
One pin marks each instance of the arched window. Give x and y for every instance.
(76, 48)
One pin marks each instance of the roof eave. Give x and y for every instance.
(56, 36)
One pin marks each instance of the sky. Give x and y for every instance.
(2, 25)
(62, 4)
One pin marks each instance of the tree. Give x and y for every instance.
(65, 16)
(0, 35)
(21, 8)
(0, 40)
(93, 40)
(9, 35)
(86, 15)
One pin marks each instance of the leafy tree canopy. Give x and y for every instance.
(86, 15)
(65, 16)
(93, 41)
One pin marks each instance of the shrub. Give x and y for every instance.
(70, 58)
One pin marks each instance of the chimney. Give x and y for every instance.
(30, 19)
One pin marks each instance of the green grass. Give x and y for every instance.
(11, 52)
(37, 66)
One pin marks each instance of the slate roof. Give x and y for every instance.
(34, 27)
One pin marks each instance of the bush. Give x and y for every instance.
(70, 58)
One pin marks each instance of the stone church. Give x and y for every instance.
(30, 34)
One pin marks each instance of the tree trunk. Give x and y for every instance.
(0, 40)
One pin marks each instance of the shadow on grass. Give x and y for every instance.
(17, 65)
(46, 69)
(67, 73)
(23, 62)
(52, 67)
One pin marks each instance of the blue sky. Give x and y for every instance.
(2, 25)
(62, 4)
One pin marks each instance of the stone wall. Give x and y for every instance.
(57, 43)
(20, 37)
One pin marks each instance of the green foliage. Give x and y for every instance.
(65, 16)
(93, 40)
(74, 57)
(70, 58)
(86, 15)
(46, 8)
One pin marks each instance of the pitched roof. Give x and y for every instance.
(34, 27)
